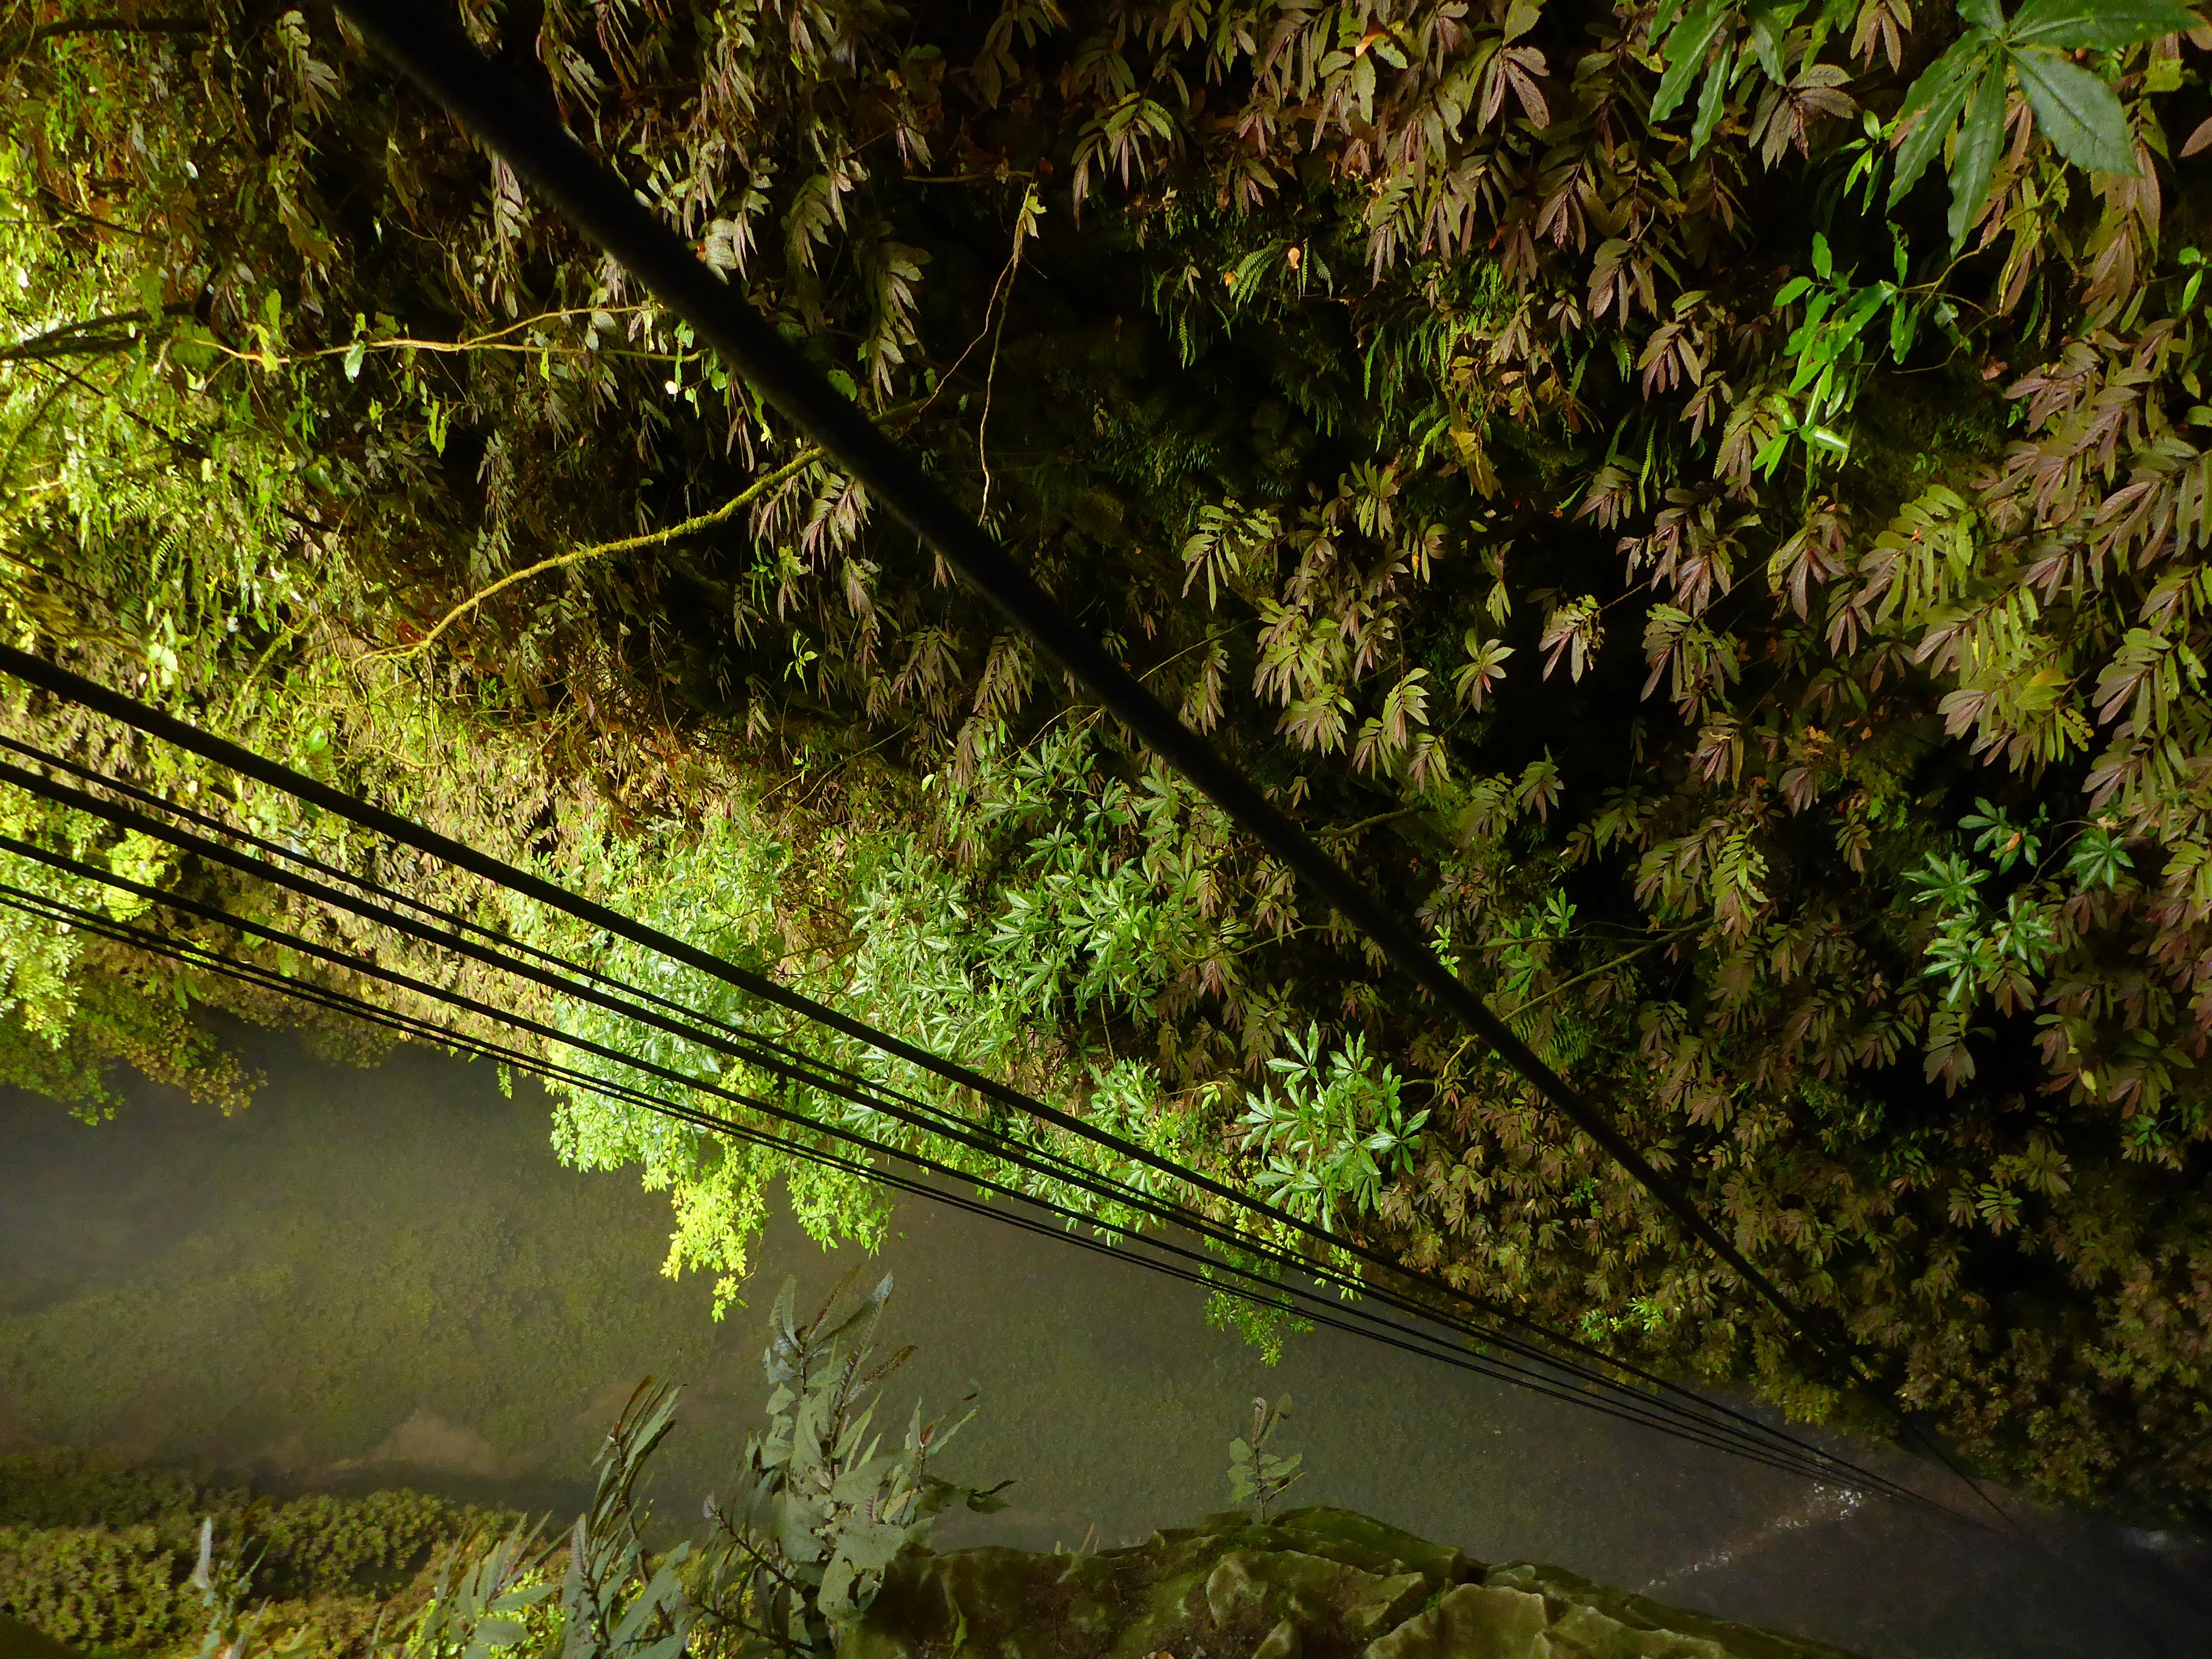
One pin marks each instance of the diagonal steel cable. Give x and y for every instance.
(426, 43)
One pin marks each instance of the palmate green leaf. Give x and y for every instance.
(1938, 98)
(2078, 113)
(2064, 25)
(1976, 159)
(1685, 51)
(1711, 100)
(2098, 858)
(1769, 24)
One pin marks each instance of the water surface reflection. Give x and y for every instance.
(373, 1277)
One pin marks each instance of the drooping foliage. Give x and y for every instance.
(1704, 504)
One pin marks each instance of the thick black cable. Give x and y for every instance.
(939, 1121)
(428, 46)
(1191, 1268)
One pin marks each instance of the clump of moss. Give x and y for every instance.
(98, 1555)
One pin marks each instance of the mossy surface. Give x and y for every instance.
(98, 1556)
(1314, 1584)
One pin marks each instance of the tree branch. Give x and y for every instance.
(1605, 968)
(656, 539)
(93, 336)
(1369, 824)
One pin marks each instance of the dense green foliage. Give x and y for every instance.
(1750, 603)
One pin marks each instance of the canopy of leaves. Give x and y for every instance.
(1747, 594)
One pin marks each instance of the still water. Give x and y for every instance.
(383, 1277)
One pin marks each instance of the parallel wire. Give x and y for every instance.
(1035, 1159)
(1743, 1435)
(157, 723)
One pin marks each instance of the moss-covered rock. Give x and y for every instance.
(1316, 1583)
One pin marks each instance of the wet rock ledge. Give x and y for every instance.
(1313, 1583)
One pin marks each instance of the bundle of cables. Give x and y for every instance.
(969, 1141)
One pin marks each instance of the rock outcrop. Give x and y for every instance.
(1315, 1583)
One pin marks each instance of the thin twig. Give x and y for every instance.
(1604, 967)
(88, 337)
(831, 771)
(965, 178)
(1369, 824)
(1002, 296)
(1464, 1043)
(55, 204)
(495, 340)
(674, 532)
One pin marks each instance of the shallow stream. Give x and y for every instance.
(383, 1277)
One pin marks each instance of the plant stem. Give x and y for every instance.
(652, 540)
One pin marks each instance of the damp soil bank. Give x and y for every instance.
(383, 1277)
